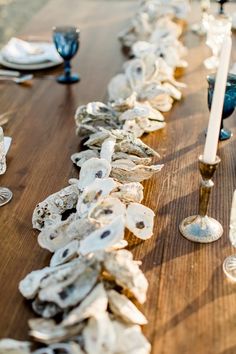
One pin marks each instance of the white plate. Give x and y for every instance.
(38, 66)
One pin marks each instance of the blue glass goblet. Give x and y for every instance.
(66, 39)
(221, 6)
(229, 101)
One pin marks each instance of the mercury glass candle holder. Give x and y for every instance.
(229, 101)
(202, 228)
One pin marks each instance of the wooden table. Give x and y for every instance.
(191, 306)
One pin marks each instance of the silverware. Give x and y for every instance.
(17, 80)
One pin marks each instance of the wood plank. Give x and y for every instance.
(191, 307)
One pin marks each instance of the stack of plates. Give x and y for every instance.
(23, 55)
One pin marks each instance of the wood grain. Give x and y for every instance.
(191, 306)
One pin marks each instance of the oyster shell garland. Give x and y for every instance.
(85, 297)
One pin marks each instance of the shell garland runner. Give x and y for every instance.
(87, 297)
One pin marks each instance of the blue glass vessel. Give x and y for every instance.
(66, 39)
(229, 101)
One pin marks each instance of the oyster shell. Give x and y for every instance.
(107, 149)
(132, 145)
(126, 273)
(140, 220)
(90, 117)
(121, 105)
(65, 254)
(80, 157)
(95, 140)
(135, 73)
(106, 210)
(50, 211)
(99, 334)
(30, 285)
(58, 236)
(129, 192)
(126, 171)
(92, 169)
(131, 126)
(149, 125)
(130, 339)
(121, 306)
(93, 193)
(65, 348)
(142, 111)
(48, 332)
(72, 290)
(161, 102)
(95, 303)
(118, 88)
(11, 346)
(104, 237)
(55, 237)
(45, 309)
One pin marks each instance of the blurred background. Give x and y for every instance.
(14, 14)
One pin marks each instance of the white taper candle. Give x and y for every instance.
(213, 130)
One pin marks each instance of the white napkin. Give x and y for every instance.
(7, 143)
(22, 52)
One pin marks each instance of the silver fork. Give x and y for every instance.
(17, 80)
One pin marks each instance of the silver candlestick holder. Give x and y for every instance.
(202, 228)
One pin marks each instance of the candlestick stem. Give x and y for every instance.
(201, 228)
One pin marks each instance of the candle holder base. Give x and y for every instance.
(202, 229)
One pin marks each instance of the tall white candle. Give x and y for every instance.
(213, 130)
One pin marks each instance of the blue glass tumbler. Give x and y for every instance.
(66, 39)
(229, 101)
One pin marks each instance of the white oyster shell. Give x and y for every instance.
(126, 272)
(118, 88)
(65, 253)
(162, 102)
(104, 237)
(50, 211)
(129, 339)
(45, 309)
(55, 237)
(129, 192)
(140, 220)
(141, 111)
(107, 149)
(92, 169)
(99, 333)
(72, 290)
(80, 157)
(129, 172)
(11, 346)
(48, 332)
(121, 306)
(136, 159)
(93, 193)
(65, 348)
(108, 209)
(30, 285)
(121, 105)
(95, 303)
(90, 117)
(131, 126)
